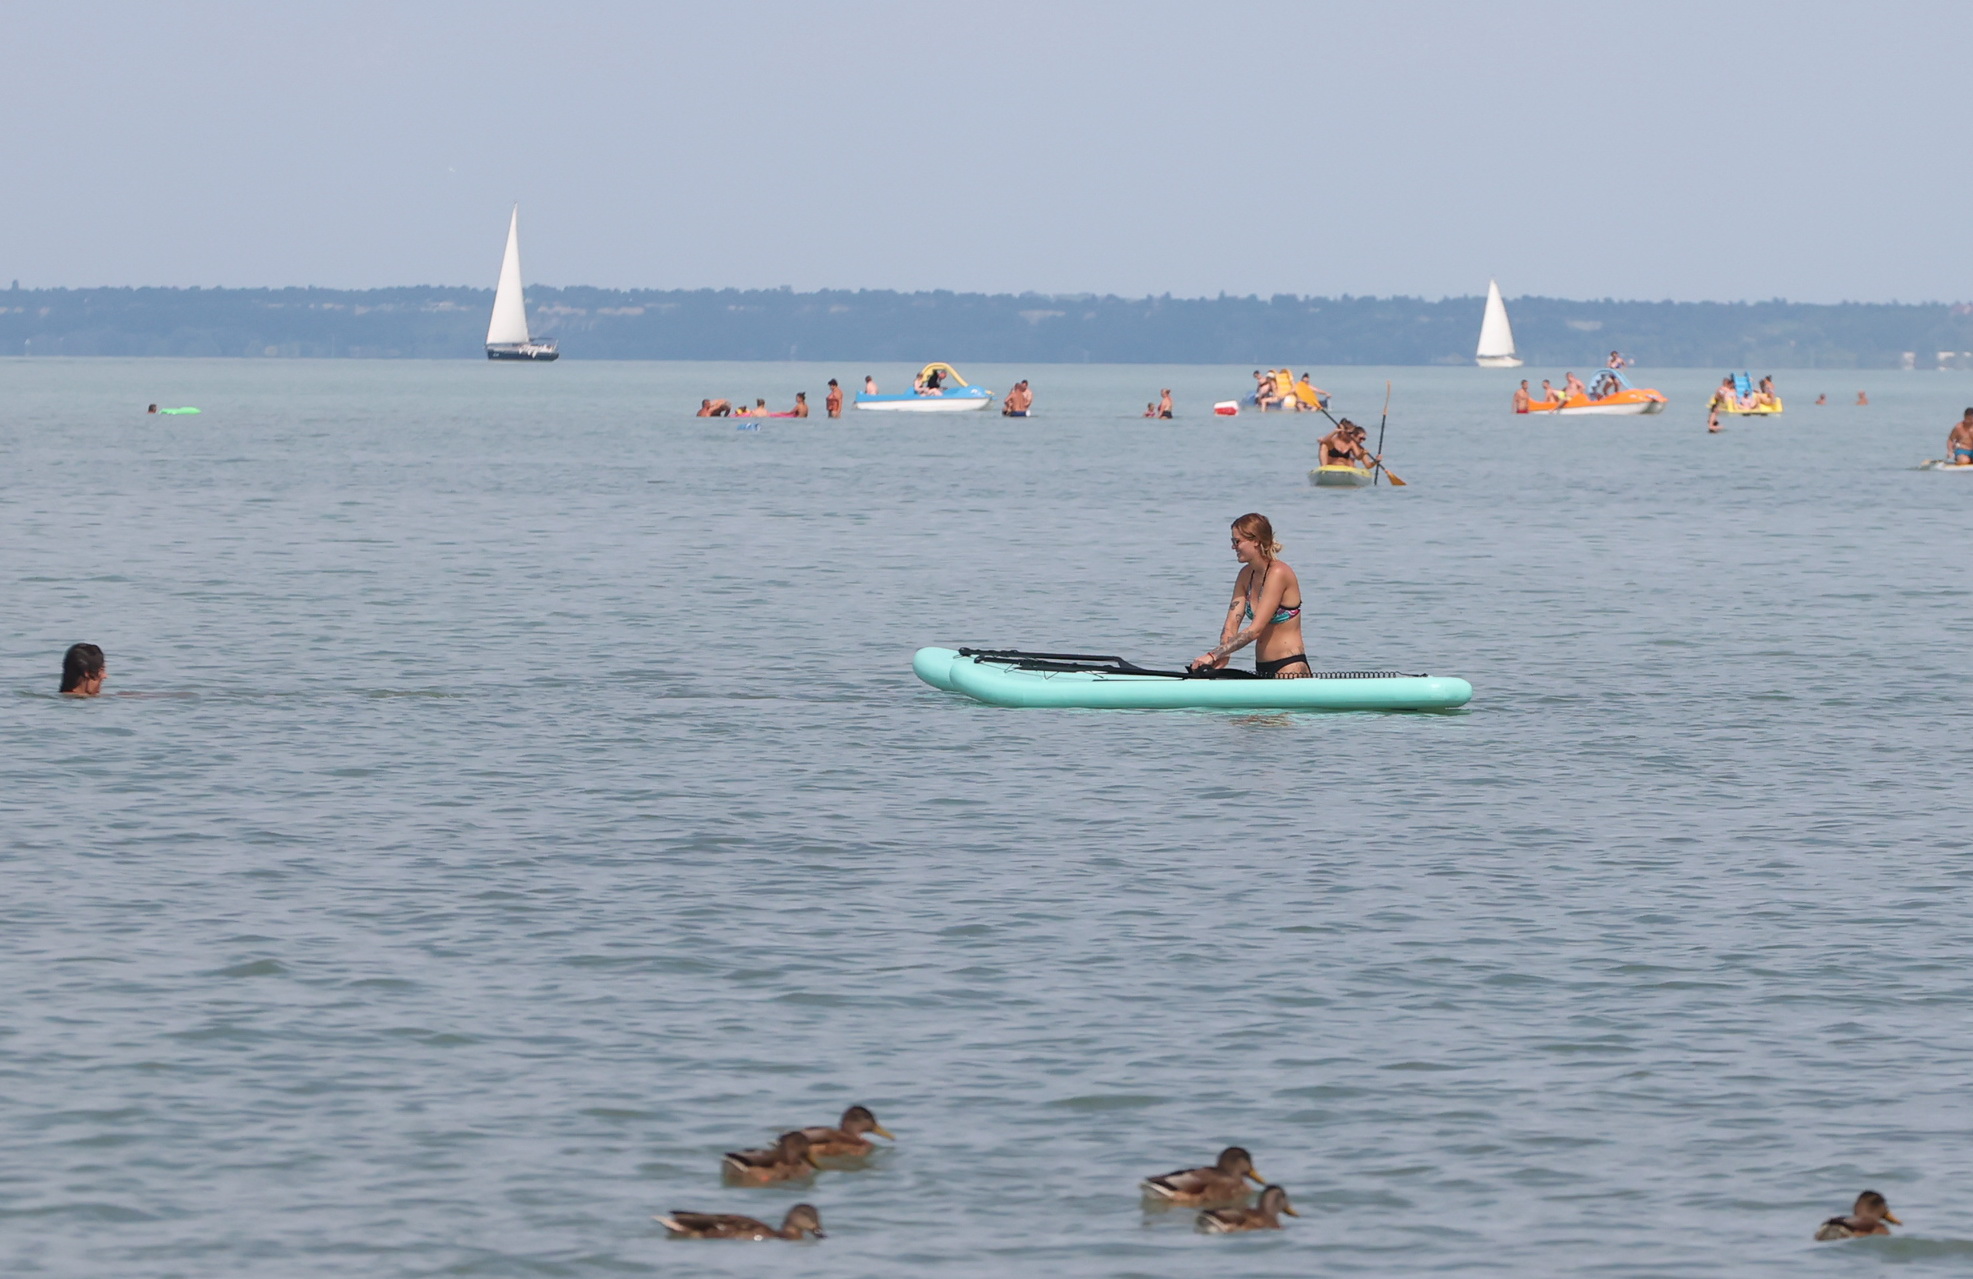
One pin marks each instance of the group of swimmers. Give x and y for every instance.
(1163, 406)
(1278, 389)
(932, 382)
(832, 405)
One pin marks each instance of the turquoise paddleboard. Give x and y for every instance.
(1006, 677)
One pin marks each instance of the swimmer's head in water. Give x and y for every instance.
(82, 670)
(1254, 527)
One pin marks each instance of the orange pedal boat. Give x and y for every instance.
(1610, 394)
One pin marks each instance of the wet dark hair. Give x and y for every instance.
(81, 662)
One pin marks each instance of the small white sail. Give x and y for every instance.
(1496, 349)
(509, 326)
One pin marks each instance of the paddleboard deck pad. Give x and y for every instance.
(1012, 677)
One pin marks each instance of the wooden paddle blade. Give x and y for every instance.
(1396, 483)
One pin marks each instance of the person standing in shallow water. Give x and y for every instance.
(834, 404)
(83, 671)
(1260, 612)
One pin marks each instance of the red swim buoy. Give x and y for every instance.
(1227, 408)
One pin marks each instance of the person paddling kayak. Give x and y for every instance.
(1261, 613)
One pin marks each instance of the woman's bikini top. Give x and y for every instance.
(1281, 614)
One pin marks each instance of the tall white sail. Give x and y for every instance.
(509, 326)
(1496, 349)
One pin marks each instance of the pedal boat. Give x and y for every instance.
(1622, 400)
(1743, 388)
(1006, 677)
(954, 397)
(1338, 476)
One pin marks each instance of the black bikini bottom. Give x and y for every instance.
(1272, 670)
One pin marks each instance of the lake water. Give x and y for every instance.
(529, 799)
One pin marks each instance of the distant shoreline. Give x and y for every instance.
(440, 322)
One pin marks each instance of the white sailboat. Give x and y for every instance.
(507, 333)
(1496, 338)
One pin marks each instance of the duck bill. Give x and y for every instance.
(808, 1157)
(1290, 1211)
(1256, 1178)
(883, 1132)
(1893, 1219)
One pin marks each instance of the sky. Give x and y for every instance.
(1724, 151)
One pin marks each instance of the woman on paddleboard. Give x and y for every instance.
(1266, 610)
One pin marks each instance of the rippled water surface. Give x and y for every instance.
(518, 795)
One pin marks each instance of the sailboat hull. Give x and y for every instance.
(541, 352)
(1498, 361)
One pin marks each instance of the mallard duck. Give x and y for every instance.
(1867, 1218)
(1224, 1183)
(802, 1219)
(787, 1158)
(847, 1137)
(1265, 1215)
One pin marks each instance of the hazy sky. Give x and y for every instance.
(1809, 150)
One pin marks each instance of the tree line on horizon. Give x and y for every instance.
(437, 322)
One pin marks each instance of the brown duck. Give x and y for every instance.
(786, 1159)
(846, 1139)
(802, 1219)
(1223, 1183)
(1867, 1218)
(1265, 1215)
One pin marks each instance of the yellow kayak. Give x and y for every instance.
(1338, 476)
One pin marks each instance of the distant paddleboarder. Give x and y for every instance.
(1959, 442)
